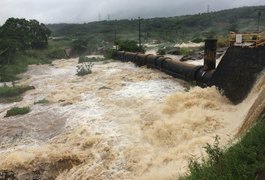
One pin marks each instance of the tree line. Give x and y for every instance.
(170, 29)
(19, 35)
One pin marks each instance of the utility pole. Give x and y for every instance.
(108, 17)
(208, 8)
(259, 16)
(140, 42)
(115, 40)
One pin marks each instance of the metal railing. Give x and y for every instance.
(251, 40)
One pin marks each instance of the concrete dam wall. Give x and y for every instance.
(238, 71)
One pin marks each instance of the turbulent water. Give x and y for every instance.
(120, 122)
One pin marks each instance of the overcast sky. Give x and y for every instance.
(80, 11)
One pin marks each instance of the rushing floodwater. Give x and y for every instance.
(120, 122)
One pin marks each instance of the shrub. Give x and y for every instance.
(80, 45)
(131, 46)
(84, 68)
(184, 51)
(6, 91)
(223, 42)
(197, 40)
(56, 54)
(17, 111)
(110, 53)
(83, 59)
(161, 51)
(12, 94)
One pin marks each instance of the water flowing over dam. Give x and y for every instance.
(120, 122)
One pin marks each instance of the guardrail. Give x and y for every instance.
(252, 40)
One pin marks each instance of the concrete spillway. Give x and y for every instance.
(235, 74)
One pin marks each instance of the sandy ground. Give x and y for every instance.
(120, 122)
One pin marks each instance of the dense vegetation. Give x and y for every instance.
(24, 42)
(20, 35)
(172, 29)
(244, 160)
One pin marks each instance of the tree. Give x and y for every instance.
(39, 35)
(20, 35)
(30, 34)
(80, 45)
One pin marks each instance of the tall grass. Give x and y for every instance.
(13, 91)
(13, 94)
(54, 51)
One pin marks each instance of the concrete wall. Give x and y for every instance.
(238, 71)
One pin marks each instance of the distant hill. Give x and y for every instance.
(170, 29)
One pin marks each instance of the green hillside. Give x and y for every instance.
(169, 29)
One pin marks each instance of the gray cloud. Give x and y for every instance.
(80, 11)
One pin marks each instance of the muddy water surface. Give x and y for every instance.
(120, 122)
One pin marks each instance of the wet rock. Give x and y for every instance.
(200, 55)
(194, 56)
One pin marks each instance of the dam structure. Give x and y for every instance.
(235, 74)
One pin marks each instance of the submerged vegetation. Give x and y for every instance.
(43, 101)
(84, 68)
(83, 59)
(17, 111)
(244, 160)
(6, 91)
(12, 94)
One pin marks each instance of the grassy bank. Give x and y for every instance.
(13, 94)
(244, 160)
(54, 51)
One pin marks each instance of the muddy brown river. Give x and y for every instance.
(120, 122)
